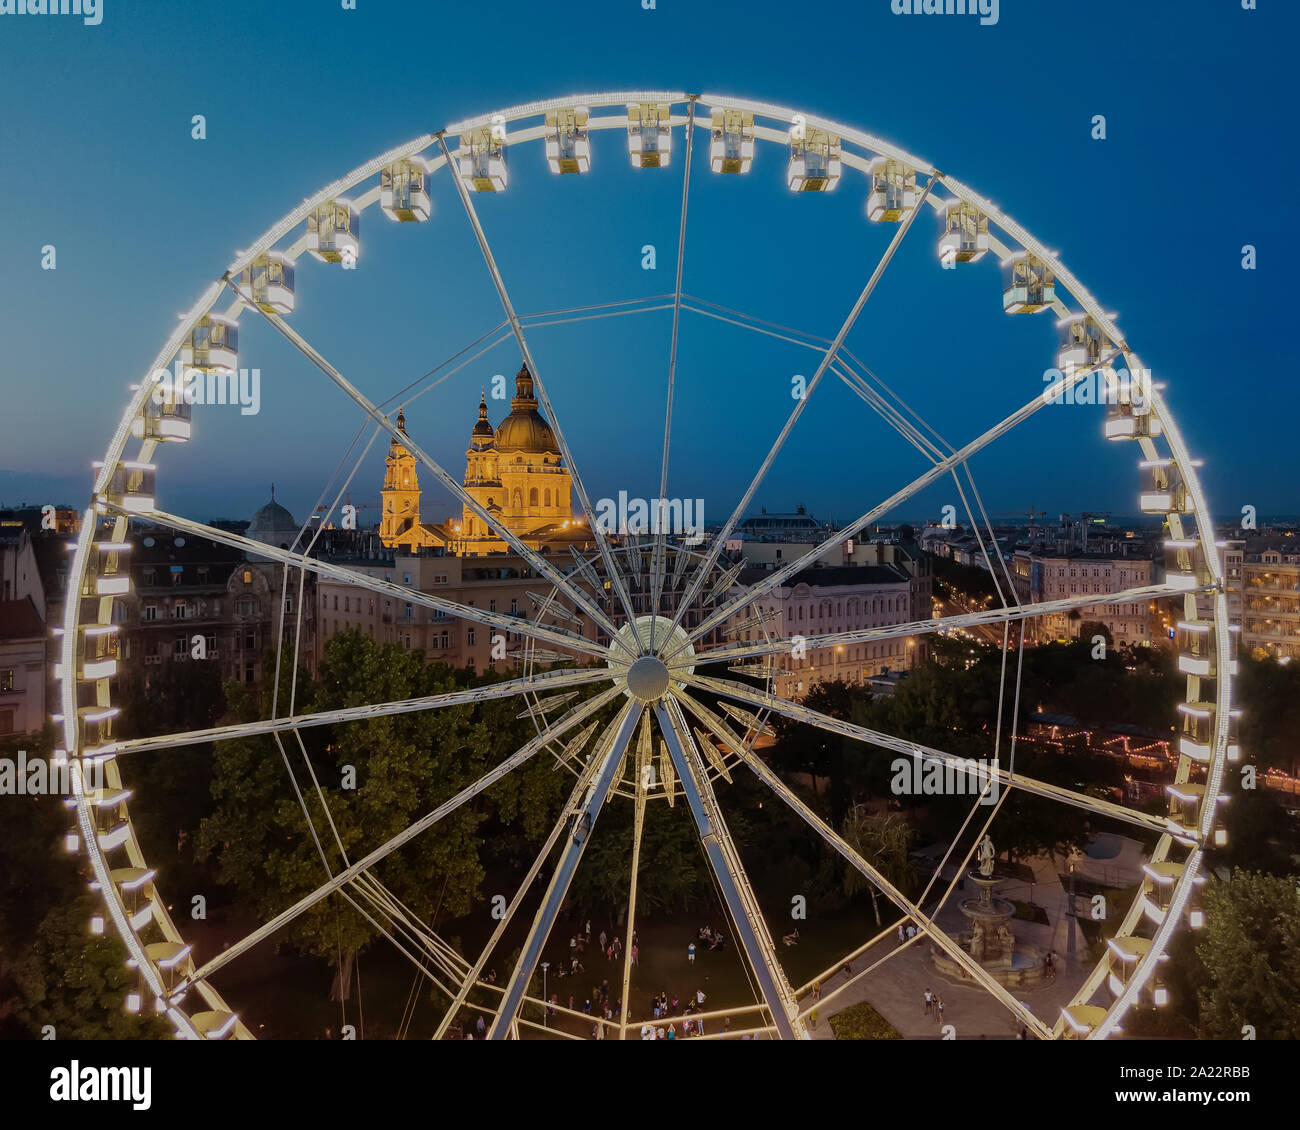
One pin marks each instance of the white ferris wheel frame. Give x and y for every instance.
(770, 124)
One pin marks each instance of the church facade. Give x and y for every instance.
(514, 471)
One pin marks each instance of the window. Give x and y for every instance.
(177, 574)
(440, 579)
(250, 641)
(408, 620)
(204, 574)
(469, 638)
(492, 605)
(150, 576)
(6, 721)
(336, 602)
(180, 647)
(514, 607)
(6, 680)
(444, 640)
(149, 612)
(406, 578)
(249, 670)
(248, 576)
(180, 610)
(347, 603)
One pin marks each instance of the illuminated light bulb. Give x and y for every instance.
(96, 924)
(1161, 996)
(72, 842)
(132, 1002)
(1196, 919)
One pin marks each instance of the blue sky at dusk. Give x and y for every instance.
(96, 158)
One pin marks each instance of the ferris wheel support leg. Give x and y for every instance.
(581, 825)
(725, 862)
(471, 978)
(638, 828)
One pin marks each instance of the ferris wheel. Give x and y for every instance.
(648, 715)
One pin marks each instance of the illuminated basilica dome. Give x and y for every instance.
(525, 429)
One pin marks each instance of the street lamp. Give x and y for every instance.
(839, 647)
(546, 1000)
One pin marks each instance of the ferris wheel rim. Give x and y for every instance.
(1216, 766)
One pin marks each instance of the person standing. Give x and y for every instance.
(690, 953)
(604, 942)
(929, 1001)
(812, 1020)
(636, 953)
(938, 1003)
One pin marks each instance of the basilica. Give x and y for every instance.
(514, 471)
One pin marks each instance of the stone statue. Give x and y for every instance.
(987, 852)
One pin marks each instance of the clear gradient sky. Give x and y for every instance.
(96, 158)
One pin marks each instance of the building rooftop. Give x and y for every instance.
(20, 620)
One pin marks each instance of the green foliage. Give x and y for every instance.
(1251, 958)
(1268, 693)
(883, 840)
(405, 765)
(78, 983)
(862, 1022)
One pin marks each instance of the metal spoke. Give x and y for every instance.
(541, 682)
(656, 569)
(643, 760)
(724, 861)
(852, 856)
(471, 978)
(536, 560)
(772, 580)
(362, 865)
(742, 507)
(602, 544)
(1004, 777)
(580, 823)
(753, 648)
(561, 637)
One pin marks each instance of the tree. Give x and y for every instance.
(376, 777)
(884, 840)
(1269, 694)
(801, 747)
(1251, 956)
(77, 983)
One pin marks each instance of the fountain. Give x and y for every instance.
(990, 940)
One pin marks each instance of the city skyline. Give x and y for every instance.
(415, 316)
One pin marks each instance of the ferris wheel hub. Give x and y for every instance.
(647, 678)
